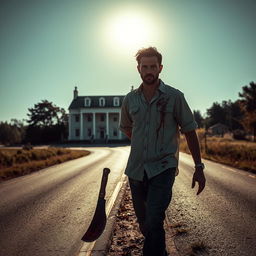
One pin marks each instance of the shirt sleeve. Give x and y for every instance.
(183, 115)
(125, 124)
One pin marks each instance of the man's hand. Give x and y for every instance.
(200, 178)
(194, 148)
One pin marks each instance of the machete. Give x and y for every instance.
(99, 220)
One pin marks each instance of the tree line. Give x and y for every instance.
(48, 123)
(239, 116)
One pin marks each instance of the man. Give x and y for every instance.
(151, 117)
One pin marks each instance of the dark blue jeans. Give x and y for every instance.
(151, 198)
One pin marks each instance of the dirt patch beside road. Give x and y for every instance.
(127, 239)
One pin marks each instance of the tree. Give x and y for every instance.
(249, 97)
(215, 114)
(198, 117)
(47, 123)
(228, 113)
(46, 114)
(233, 114)
(248, 106)
(12, 133)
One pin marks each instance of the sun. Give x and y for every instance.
(130, 31)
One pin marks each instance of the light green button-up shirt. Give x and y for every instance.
(155, 129)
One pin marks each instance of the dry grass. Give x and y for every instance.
(18, 162)
(238, 154)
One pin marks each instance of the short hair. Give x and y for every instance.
(149, 52)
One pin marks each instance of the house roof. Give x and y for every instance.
(79, 102)
(218, 125)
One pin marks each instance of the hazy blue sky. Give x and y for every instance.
(49, 47)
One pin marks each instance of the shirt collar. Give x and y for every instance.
(162, 86)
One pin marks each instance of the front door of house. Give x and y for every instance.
(102, 134)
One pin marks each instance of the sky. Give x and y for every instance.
(48, 47)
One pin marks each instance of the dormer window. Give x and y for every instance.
(102, 102)
(116, 101)
(87, 102)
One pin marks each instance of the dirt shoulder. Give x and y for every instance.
(127, 239)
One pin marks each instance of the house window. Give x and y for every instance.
(89, 118)
(77, 132)
(77, 117)
(116, 101)
(102, 102)
(114, 132)
(102, 118)
(87, 102)
(115, 119)
(89, 132)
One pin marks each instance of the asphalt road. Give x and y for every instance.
(47, 212)
(222, 217)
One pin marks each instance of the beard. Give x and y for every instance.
(149, 79)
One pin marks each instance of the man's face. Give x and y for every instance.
(149, 69)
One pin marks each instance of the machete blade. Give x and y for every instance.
(99, 220)
(98, 223)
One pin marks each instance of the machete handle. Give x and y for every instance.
(104, 181)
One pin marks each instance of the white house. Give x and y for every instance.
(95, 118)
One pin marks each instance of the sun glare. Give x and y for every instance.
(130, 31)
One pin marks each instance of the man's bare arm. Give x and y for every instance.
(194, 148)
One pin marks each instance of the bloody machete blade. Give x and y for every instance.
(99, 220)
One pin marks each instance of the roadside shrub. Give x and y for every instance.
(19, 159)
(27, 146)
(6, 159)
(35, 156)
(60, 152)
(239, 135)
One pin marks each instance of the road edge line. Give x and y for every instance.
(101, 246)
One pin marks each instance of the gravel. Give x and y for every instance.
(127, 239)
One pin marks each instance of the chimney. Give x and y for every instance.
(132, 88)
(75, 93)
